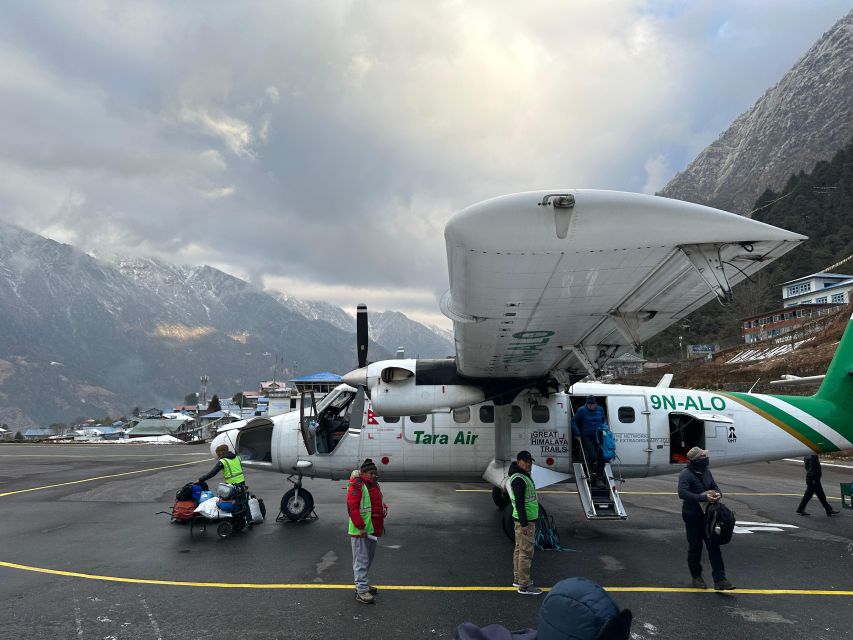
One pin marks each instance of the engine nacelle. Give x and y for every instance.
(412, 387)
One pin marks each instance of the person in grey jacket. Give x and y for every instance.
(696, 485)
(814, 487)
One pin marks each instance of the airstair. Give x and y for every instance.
(599, 503)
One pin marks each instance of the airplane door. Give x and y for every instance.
(716, 439)
(628, 417)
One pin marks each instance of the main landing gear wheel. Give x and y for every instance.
(296, 504)
(224, 529)
(508, 524)
(499, 497)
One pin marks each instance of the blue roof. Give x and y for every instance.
(325, 376)
(106, 429)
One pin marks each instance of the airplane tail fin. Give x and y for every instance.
(837, 386)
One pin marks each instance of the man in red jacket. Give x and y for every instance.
(366, 523)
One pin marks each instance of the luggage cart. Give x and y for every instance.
(239, 520)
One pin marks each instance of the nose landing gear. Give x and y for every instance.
(297, 504)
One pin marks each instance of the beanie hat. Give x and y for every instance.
(368, 465)
(697, 453)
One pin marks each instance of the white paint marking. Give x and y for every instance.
(77, 617)
(154, 624)
(754, 527)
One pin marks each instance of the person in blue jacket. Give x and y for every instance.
(585, 425)
(575, 609)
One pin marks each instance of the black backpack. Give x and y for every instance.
(185, 492)
(546, 534)
(719, 523)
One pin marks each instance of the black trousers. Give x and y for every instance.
(814, 488)
(593, 456)
(695, 527)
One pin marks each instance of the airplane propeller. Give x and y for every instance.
(358, 378)
(361, 334)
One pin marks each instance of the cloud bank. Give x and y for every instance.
(320, 147)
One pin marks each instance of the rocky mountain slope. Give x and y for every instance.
(806, 117)
(81, 337)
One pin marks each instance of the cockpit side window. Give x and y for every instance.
(323, 434)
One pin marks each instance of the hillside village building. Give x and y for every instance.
(803, 299)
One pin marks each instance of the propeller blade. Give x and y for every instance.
(361, 334)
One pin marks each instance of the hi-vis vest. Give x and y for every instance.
(366, 513)
(232, 470)
(531, 504)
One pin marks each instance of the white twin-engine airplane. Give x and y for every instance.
(545, 287)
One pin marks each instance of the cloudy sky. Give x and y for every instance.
(318, 148)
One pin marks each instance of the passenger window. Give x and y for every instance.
(391, 419)
(420, 418)
(463, 415)
(540, 414)
(516, 413)
(626, 414)
(487, 414)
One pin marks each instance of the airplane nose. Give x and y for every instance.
(356, 378)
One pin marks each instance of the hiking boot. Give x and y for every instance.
(699, 583)
(530, 590)
(833, 512)
(365, 596)
(803, 513)
(372, 590)
(723, 585)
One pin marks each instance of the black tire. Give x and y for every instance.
(296, 507)
(508, 525)
(224, 529)
(263, 508)
(500, 498)
(238, 522)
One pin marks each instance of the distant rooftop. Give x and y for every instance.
(324, 376)
(820, 274)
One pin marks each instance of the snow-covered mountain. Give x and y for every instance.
(391, 329)
(82, 337)
(806, 117)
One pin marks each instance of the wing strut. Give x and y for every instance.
(580, 354)
(705, 258)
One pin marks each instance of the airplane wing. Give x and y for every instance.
(550, 281)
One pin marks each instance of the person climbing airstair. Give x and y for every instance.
(597, 487)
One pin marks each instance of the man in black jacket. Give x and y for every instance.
(695, 486)
(814, 487)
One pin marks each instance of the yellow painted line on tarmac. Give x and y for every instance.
(114, 475)
(395, 587)
(659, 493)
(69, 455)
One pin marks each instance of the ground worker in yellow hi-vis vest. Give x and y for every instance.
(525, 512)
(229, 464)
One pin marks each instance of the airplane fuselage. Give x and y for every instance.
(653, 427)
